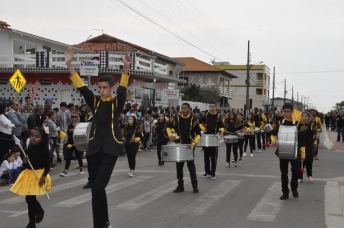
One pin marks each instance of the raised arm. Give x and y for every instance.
(122, 88)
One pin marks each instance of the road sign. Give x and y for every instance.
(17, 81)
(171, 94)
(33, 90)
(89, 67)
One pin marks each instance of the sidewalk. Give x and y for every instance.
(333, 138)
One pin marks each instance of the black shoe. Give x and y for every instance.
(264, 148)
(88, 185)
(107, 225)
(295, 193)
(284, 197)
(162, 163)
(39, 216)
(178, 189)
(195, 186)
(31, 225)
(59, 160)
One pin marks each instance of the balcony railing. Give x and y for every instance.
(226, 92)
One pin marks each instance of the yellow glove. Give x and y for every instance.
(69, 146)
(62, 134)
(303, 152)
(315, 142)
(193, 144)
(137, 139)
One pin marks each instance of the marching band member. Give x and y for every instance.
(241, 126)
(318, 125)
(231, 128)
(287, 110)
(258, 120)
(105, 143)
(185, 126)
(162, 139)
(214, 125)
(262, 126)
(132, 135)
(249, 134)
(308, 133)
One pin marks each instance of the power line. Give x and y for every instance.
(312, 72)
(155, 23)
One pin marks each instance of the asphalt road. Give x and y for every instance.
(247, 196)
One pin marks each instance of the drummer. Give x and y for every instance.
(231, 128)
(240, 126)
(287, 111)
(185, 126)
(249, 134)
(258, 120)
(211, 123)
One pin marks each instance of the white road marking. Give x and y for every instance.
(202, 204)
(269, 205)
(147, 197)
(112, 188)
(19, 199)
(334, 214)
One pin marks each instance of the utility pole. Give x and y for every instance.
(273, 93)
(292, 96)
(285, 89)
(248, 81)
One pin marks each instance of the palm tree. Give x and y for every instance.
(193, 92)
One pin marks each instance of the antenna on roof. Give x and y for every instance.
(100, 30)
(89, 37)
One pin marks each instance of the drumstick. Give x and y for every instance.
(17, 141)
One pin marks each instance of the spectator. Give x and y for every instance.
(17, 119)
(34, 120)
(28, 107)
(70, 109)
(48, 105)
(340, 125)
(5, 132)
(146, 130)
(18, 162)
(7, 171)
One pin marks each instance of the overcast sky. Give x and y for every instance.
(302, 39)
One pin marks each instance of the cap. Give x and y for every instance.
(47, 100)
(134, 105)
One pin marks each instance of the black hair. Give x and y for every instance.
(11, 103)
(240, 114)
(187, 104)
(134, 121)
(16, 149)
(9, 154)
(255, 108)
(45, 137)
(70, 105)
(311, 114)
(63, 104)
(51, 113)
(288, 106)
(56, 110)
(2, 108)
(26, 98)
(106, 78)
(213, 103)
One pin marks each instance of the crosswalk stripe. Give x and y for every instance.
(112, 188)
(210, 198)
(147, 197)
(269, 205)
(334, 215)
(19, 199)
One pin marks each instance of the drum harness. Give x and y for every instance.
(206, 120)
(189, 131)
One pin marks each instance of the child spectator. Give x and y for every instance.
(6, 169)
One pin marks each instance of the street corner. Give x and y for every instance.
(331, 143)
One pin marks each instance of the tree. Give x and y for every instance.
(210, 95)
(192, 92)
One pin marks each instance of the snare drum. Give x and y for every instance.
(240, 135)
(287, 142)
(81, 135)
(177, 153)
(268, 128)
(262, 131)
(256, 130)
(208, 140)
(231, 139)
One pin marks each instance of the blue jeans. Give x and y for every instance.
(340, 130)
(10, 175)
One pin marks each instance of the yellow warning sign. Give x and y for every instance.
(18, 81)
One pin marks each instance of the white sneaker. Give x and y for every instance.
(131, 174)
(233, 161)
(244, 154)
(81, 172)
(236, 164)
(228, 165)
(259, 150)
(64, 174)
(251, 155)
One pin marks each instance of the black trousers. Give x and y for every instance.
(249, 139)
(145, 140)
(131, 154)
(210, 156)
(308, 163)
(229, 147)
(294, 174)
(241, 146)
(69, 157)
(192, 170)
(33, 207)
(6, 143)
(268, 136)
(263, 139)
(100, 167)
(259, 142)
(159, 145)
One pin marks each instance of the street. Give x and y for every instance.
(246, 196)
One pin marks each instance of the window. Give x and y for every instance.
(3, 81)
(259, 92)
(46, 81)
(184, 84)
(259, 76)
(20, 47)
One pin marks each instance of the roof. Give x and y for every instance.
(106, 42)
(241, 67)
(196, 65)
(5, 26)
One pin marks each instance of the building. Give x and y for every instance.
(279, 102)
(207, 76)
(259, 90)
(41, 61)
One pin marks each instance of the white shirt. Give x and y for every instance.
(17, 163)
(5, 125)
(5, 166)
